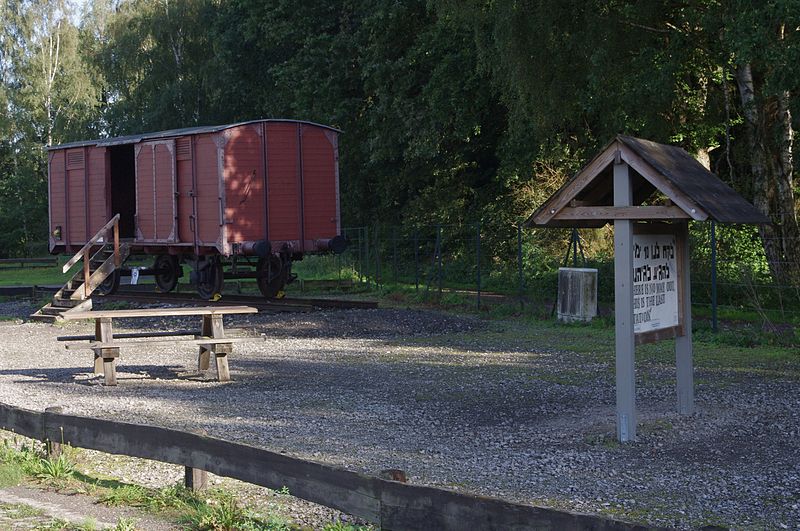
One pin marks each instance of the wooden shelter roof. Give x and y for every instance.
(689, 190)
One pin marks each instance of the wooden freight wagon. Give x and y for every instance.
(233, 201)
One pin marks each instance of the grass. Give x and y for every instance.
(39, 276)
(737, 351)
(10, 475)
(20, 510)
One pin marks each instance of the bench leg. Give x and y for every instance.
(105, 358)
(109, 371)
(213, 327)
(223, 373)
(204, 357)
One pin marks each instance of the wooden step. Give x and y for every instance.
(52, 312)
(50, 309)
(43, 318)
(66, 304)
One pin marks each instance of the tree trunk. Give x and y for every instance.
(763, 186)
(784, 177)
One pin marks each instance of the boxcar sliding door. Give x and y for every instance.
(320, 182)
(156, 209)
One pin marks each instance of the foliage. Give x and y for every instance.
(223, 513)
(454, 112)
(53, 468)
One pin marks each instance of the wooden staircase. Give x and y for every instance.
(107, 257)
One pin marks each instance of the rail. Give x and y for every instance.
(390, 504)
(84, 252)
(22, 263)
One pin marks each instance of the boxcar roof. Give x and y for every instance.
(133, 139)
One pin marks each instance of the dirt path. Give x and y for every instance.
(23, 507)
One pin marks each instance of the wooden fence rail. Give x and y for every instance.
(389, 504)
(23, 263)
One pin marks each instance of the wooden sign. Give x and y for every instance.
(655, 282)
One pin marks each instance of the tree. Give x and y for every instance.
(582, 71)
(47, 98)
(155, 58)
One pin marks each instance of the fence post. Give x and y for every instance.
(53, 447)
(378, 268)
(519, 267)
(195, 479)
(416, 260)
(394, 253)
(366, 262)
(713, 276)
(478, 261)
(439, 257)
(574, 247)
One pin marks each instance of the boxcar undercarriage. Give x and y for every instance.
(271, 269)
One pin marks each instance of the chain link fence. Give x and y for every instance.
(730, 272)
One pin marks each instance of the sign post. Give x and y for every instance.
(623, 308)
(652, 292)
(683, 342)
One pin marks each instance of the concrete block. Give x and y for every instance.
(577, 294)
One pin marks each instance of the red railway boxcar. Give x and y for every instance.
(251, 197)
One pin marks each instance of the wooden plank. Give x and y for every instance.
(651, 336)
(27, 263)
(684, 354)
(223, 372)
(344, 490)
(621, 212)
(410, 507)
(104, 334)
(195, 479)
(22, 421)
(161, 312)
(670, 190)
(133, 335)
(95, 279)
(53, 446)
(21, 261)
(109, 371)
(220, 350)
(562, 198)
(204, 356)
(95, 239)
(623, 310)
(654, 227)
(198, 341)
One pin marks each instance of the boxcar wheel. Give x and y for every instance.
(168, 278)
(274, 276)
(210, 283)
(110, 285)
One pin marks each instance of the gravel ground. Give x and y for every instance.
(455, 402)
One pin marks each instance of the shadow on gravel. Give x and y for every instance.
(83, 376)
(360, 324)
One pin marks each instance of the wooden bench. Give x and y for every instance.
(210, 338)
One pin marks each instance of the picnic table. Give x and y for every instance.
(210, 338)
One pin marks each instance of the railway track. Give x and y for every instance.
(287, 304)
